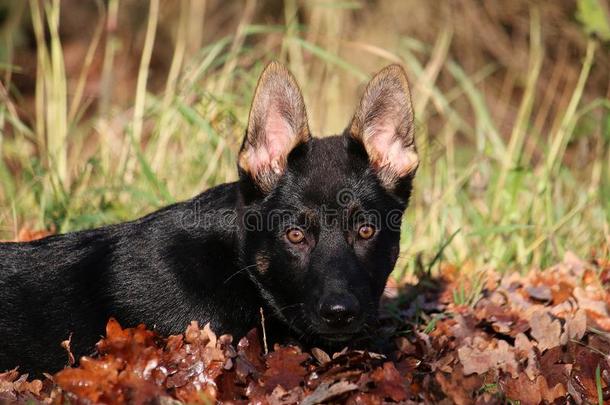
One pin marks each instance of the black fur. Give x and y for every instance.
(216, 258)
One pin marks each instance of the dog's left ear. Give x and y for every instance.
(276, 125)
(383, 123)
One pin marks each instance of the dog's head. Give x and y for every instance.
(322, 215)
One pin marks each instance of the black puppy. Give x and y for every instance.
(309, 233)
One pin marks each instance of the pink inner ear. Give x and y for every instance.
(387, 151)
(276, 142)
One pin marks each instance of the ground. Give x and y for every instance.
(536, 337)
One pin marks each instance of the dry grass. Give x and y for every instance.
(147, 105)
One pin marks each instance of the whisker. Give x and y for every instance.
(291, 306)
(293, 319)
(238, 272)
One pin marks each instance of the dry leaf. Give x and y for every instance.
(479, 356)
(545, 330)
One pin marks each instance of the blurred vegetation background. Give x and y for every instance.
(111, 109)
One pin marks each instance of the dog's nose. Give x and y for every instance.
(339, 310)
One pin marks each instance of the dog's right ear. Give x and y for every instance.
(276, 125)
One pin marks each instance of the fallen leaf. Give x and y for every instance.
(326, 391)
(479, 356)
(320, 355)
(545, 330)
(285, 368)
(576, 326)
(529, 392)
(388, 383)
(540, 292)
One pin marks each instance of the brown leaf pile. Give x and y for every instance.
(543, 337)
(537, 338)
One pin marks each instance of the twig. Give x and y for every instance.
(66, 344)
(264, 331)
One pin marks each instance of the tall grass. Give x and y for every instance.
(487, 194)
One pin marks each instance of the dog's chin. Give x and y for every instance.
(338, 337)
(334, 342)
(312, 332)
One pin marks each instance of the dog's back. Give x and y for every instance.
(162, 270)
(48, 288)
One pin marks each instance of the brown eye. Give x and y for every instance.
(366, 231)
(295, 235)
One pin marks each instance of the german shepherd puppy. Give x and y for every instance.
(309, 233)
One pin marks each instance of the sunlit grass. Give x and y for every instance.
(481, 197)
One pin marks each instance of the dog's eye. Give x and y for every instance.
(295, 235)
(366, 231)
